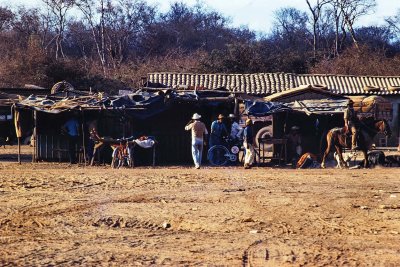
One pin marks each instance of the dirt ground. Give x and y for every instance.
(56, 214)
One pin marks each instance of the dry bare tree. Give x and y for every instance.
(125, 21)
(394, 22)
(316, 10)
(94, 13)
(353, 10)
(6, 18)
(59, 9)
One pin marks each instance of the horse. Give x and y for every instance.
(369, 127)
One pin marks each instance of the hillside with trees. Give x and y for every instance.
(110, 44)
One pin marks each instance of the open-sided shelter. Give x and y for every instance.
(6, 116)
(265, 84)
(313, 109)
(147, 112)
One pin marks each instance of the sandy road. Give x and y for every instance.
(53, 214)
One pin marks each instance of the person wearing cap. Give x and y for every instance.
(294, 144)
(199, 130)
(236, 130)
(218, 131)
(350, 118)
(248, 144)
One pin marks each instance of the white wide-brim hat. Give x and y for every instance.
(196, 116)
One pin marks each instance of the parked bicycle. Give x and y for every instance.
(228, 152)
(122, 154)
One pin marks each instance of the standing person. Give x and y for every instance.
(71, 127)
(248, 144)
(236, 130)
(350, 119)
(199, 130)
(218, 131)
(92, 140)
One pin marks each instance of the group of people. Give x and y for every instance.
(217, 134)
(71, 128)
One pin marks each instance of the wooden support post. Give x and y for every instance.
(35, 135)
(236, 108)
(18, 131)
(154, 155)
(19, 150)
(83, 138)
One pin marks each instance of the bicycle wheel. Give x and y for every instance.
(115, 162)
(218, 155)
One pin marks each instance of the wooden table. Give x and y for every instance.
(280, 154)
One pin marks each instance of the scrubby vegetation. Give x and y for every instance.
(107, 45)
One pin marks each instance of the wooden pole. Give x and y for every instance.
(34, 135)
(83, 137)
(19, 150)
(18, 131)
(154, 155)
(236, 108)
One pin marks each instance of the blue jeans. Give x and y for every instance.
(197, 150)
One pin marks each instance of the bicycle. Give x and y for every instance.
(221, 155)
(122, 153)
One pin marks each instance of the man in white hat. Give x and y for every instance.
(199, 131)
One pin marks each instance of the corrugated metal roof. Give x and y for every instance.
(270, 83)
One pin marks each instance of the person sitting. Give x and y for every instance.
(218, 131)
(350, 120)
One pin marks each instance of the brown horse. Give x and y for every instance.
(369, 127)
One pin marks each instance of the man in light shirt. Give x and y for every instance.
(199, 130)
(248, 144)
(236, 129)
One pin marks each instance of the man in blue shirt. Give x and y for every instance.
(71, 127)
(248, 144)
(218, 131)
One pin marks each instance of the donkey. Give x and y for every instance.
(369, 127)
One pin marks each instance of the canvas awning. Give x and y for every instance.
(320, 106)
(141, 104)
(260, 109)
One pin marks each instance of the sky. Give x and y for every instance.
(256, 14)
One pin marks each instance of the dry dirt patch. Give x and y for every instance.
(57, 214)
